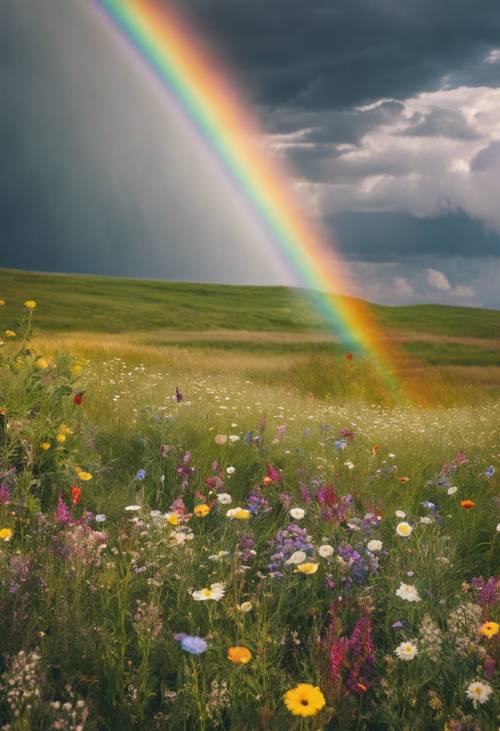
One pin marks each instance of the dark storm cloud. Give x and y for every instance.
(393, 236)
(337, 54)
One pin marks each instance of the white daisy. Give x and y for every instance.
(297, 513)
(325, 551)
(215, 592)
(479, 692)
(406, 650)
(408, 592)
(404, 529)
(374, 545)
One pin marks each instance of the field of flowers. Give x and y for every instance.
(205, 552)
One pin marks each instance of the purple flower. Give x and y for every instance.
(4, 493)
(193, 645)
(178, 395)
(63, 514)
(140, 475)
(489, 471)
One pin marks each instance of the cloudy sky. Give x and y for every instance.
(386, 111)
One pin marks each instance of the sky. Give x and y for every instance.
(386, 112)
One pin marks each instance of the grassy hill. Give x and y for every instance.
(115, 305)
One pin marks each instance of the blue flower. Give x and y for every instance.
(140, 475)
(193, 645)
(489, 471)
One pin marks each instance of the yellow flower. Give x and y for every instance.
(173, 519)
(489, 629)
(63, 429)
(45, 446)
(239, 655)
(60, 438)
(6, 534)
(307, 568)
(76, 369)
(84, 476)
(2, 303)
(30, 304)
(239, 514)
(304, 700)
(10, 334)
(42, 363)
(201, 511)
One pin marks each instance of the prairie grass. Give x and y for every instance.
(109, 447)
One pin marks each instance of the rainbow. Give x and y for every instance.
(176, 56)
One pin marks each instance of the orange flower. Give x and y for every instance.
(267, 481)
(239, 655)
(375, 449)
(201, 511)
(404, 480)
(76, 494)
(467, 504)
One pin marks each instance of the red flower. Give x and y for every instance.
(404, 480)
(349, 356)
(78, 399)
(76, 494)
(467, 504)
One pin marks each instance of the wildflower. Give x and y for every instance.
(307, 568)
(201, 511)
(85, 476)
(489, 471)
(297, 557)
(2, 303)
(30, 304)
(297, 513)
(10, 334)
(140, 475)
(404, 480)
(234, 438)
(489, 629)
(374, 545)
(230, 470)
(408, 592)
(430, 640)
(239, 514)
(78, 399)
(404, 529)
(60, 438)
(239, 655)
(479, 692)
(452, 490)
(6, 534)
(220, 439)
(100, 518)
(218, 556)
(304, 700)
(325, 551)
(224, 498)
(215, 592)
(132, 508)
(400, 514)
(245, 607)
(406, 651)
(173, 518)
(42, 363)
(76, 494)
(193, 645)
(178, 395)
(467, 504)
(45, 446)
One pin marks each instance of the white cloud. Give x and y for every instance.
(437, 280)
(493, 56)
(401, 287)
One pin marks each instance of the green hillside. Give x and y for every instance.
(114, 305)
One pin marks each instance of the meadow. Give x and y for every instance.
(211, 518)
